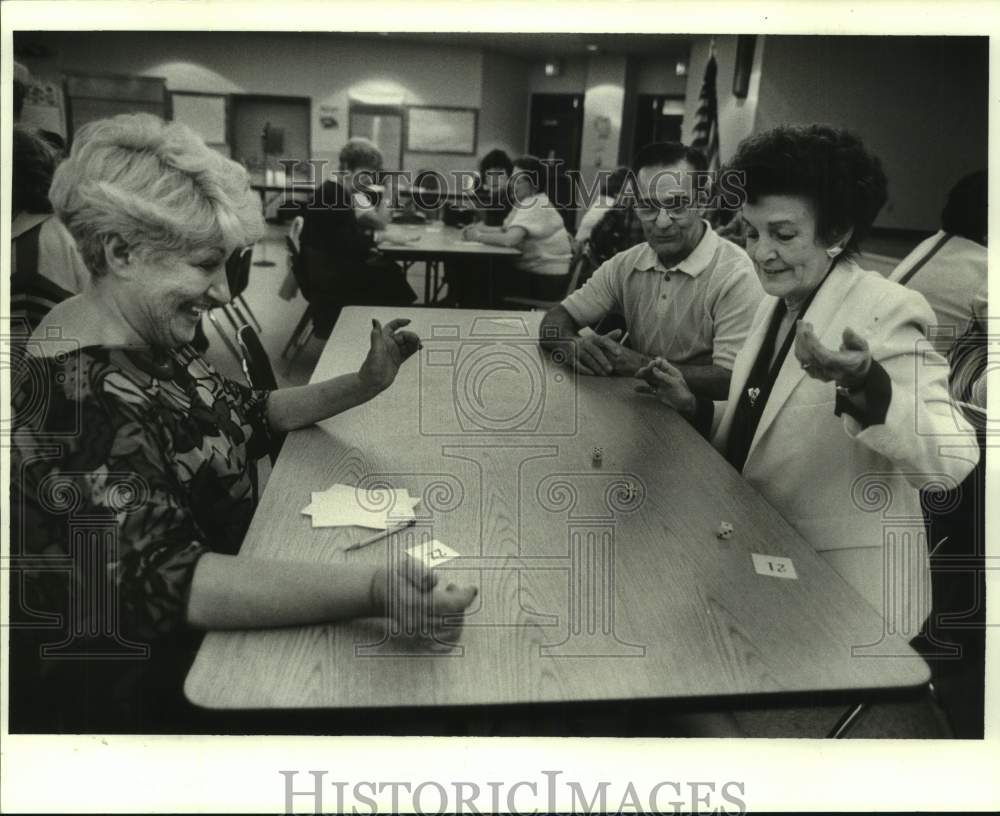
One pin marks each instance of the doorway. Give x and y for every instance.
(555, 131)
(658, 118)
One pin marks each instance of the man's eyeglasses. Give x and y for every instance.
(677, 208)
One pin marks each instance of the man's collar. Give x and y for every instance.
(693, 265)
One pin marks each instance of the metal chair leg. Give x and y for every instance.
(299, 328)
(225, 339)
(249, 311)
(240, 320)
(848, 719)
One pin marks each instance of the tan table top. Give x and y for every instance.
(437, 240)
(585, 594)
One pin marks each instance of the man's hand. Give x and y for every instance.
(667, 384)
(389, 348)
(847, 367)
(602, 355)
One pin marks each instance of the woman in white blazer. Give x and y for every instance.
(838, 410)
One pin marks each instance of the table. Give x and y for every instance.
(439, 243)
(585, 594)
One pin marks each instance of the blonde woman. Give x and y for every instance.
(143, 438)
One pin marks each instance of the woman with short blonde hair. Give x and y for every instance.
(118, 421)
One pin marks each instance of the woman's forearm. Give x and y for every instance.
(501, 238)
(244, 593)
(303, 405)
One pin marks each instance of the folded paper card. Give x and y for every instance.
(346, 505)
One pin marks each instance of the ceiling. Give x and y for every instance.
(542, 45)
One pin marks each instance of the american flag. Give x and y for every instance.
(706, 119)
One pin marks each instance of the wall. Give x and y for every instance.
(603, 103)
(326, 67)
(659, 76)
(573, 78)
(919, 103)
(736, 115)
(503, 122)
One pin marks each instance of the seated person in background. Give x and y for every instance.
(493, 201)
(829, 397)
(467, 281)
(339, 266)
(617, 230)
(46, 266)
(949, 268)
(686, 295)
(610, 186)
(164, 458)
(535, 227)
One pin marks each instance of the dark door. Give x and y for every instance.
(556, 128)
(658, 118)
(555, 132)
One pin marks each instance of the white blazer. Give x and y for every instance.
(851, 492)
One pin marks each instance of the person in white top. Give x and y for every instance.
(535, 227)
(610, 186)
(949, 268)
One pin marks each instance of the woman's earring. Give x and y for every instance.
(834, 251)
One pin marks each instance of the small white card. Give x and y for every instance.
(432, 553)
(774, 566)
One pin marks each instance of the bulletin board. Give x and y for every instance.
(205, 114)
(441, 130)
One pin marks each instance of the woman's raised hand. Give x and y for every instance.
(847, 367)
(389, 348)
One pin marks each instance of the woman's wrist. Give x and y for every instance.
(368, 386)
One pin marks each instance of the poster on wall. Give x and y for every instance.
(204, 113)
(44, 107)
(441, 130)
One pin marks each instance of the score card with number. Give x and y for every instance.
(432, 553)
(774, 566)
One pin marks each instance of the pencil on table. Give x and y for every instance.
(357, 545)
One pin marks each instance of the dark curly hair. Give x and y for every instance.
(828, 166)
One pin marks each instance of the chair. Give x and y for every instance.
(237, 278)
(259, 373)
(318, 280)
(293, 242)
(579, 267)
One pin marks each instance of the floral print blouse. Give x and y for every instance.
(156, 452)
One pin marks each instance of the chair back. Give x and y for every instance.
(256, 363)
(259, 373)
(238, 270)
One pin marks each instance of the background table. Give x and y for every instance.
(585, 594)
(441, 243)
